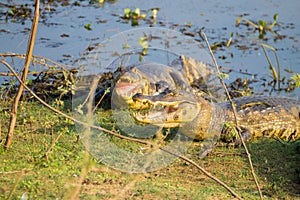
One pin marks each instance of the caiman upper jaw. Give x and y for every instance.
(126, 89)
(165, 98)
(158, 115)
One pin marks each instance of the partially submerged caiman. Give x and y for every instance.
(257, 116)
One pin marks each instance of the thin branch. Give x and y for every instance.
(203, 171)
(113, 133)
(37, 73)
(15, 185)
(15, 105)
(235, 115)
(52, 146)
(17, 171)
(99, 102)
(35, 59)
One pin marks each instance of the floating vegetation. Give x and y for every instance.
(296, 79)
(136, 15)
(88, 27)
(143, 41)
(276, 75)
(101, 3)
(56, 82)
(262, 26)
(227, 43)
(16, 12)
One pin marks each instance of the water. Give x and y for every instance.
(62, 37)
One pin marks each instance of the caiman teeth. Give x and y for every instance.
(141, 116)
(158, 108)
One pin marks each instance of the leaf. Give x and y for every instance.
(143, 42)
(127, 13)
(262, 23)
(107, 91)
(275, 17)
(144, 52)
(223, 75)
(11, 11)
(143, 16)
(28, 81)
(138, 11)
(154, 13)
(88, 27)
(238, 20)
(296, 78)
(125, 46)
(134, 15)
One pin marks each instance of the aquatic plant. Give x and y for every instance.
(262, 26)
(135, 15)
(88, 27)
(296, 79)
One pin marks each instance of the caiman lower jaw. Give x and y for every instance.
(148, 120)
(159, 115)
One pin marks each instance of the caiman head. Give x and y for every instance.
(129, 83)
(167, 109)
(146, 78)
(177, 109)
(152, 78)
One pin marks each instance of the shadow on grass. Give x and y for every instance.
(278, 165)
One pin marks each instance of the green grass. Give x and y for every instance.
(25, 168)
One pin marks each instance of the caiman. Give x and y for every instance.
(151, 79)
(257, 116)
(172, 96)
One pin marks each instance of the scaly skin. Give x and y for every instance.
(257, 116)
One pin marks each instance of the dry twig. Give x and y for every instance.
(52, 145)
(36, 59)
(15, 105)
(235, 115)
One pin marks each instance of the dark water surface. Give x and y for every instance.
(62, 36)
